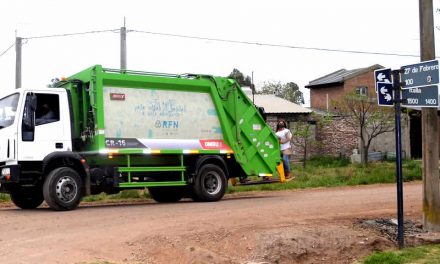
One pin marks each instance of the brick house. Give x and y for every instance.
(332, 87)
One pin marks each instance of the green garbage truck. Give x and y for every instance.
(105, 130)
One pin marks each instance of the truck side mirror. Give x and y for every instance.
(28, 126)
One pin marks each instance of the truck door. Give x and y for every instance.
(51, 131)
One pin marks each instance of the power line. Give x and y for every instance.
(4, 52)
(273, 44)
(217, 40)
(73, 34)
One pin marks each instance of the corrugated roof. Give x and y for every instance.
(340, 76)
(274, 104)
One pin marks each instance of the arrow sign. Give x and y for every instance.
(388, 97)
(383, 90)
(382, 76)
(385, 94)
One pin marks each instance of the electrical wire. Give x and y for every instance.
(72, 34)
(217, 40)
(273, 45)
(4, 52)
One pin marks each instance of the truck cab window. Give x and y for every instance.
(48, 109)
(8, 108)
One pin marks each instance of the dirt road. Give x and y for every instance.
(298, 226)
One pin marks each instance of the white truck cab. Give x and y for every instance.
(50, 131)
(35, 125)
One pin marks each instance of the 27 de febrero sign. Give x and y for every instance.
(420, 74)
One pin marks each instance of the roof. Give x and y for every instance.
(274, 104)
(340, 76)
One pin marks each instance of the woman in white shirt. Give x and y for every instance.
(284, 136)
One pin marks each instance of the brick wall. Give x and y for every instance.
(334, 139)
(319, 96)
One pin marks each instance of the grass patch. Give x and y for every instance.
(333, 172)
(327, 162)
(4, 197)
(423, 254)
(122, 195)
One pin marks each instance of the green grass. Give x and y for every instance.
(4, 197)
(320, 172)
(123, 195)
(332, 172)
(423, 254)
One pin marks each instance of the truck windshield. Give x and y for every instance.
(8, 107)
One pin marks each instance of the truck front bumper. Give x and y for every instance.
(9, 174)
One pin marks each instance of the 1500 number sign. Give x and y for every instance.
(426, 96)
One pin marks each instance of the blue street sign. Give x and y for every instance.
(382, 76)
(385, 93)
(426, 96)
(420, 74)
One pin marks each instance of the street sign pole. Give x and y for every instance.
(400, 228)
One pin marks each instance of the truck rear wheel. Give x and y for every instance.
(210, 184)
(62, 189)
(27, 197)
(167, 194)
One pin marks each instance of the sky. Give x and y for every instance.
(378, 26)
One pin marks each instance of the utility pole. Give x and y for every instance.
(430, 131)
(18, 43)
(253, 88)
(123, 47)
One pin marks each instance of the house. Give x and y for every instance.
(332, 87)
(277, 108)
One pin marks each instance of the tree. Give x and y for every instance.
(289, 91)
(364, 116)
(302, 137)
(242, 80)
(303, 133)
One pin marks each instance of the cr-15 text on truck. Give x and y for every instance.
(110, 130)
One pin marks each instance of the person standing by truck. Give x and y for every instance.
(284, 136)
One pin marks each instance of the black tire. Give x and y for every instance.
(210, 184)
(62, 189)
(170, 194)
(27, 197)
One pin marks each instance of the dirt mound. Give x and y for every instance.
(324, 244)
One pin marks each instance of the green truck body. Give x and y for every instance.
(177, 135)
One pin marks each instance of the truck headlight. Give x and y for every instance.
(6, 171)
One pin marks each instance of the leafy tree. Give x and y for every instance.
(364, 116)
(243, 80)
(303, 133)
(289, 91)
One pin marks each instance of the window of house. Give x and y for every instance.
(362, 90)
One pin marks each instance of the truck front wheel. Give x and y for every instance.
(27, 197)
(210, 184)
(62, 189)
